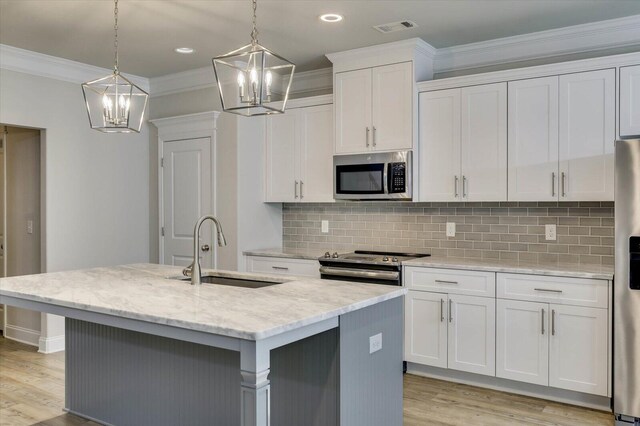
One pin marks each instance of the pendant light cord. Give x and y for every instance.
(115, 40)
(254, 32)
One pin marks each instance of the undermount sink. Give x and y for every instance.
(230, 281)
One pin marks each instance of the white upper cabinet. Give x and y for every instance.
(353, 111)
(439, 154)
(299, 155)
(374, 109)
(391, 128)
(630, 101)
(484, 142)
(463, 144)
(281, 140)
(587, 135)
(533, 139)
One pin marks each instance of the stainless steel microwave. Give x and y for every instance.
(375, 176)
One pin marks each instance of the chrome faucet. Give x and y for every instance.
(194, 269)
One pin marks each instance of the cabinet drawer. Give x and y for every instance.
(280, 266)
(473, 283)
(560, 290)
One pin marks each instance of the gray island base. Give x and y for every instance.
(125, 371)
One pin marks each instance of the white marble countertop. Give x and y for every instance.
(602, 272)
(143, 292)
(290, 253)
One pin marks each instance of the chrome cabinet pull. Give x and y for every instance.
(564, 191)
(441, 310)
(296, 189)
(553, 322)
(553, 184)
(446, 282)
(464, 186)
(548, 290)
(455, 185)
(374, 136)
(542, 322)
(301, 186)
(450, 311)
(280, 268)
(367, 137)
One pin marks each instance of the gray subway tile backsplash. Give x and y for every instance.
(508, 230)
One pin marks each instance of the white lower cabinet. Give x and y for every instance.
(450, 331)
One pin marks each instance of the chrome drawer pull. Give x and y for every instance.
(441, 310)
(280, 268)
(542, 322)
(446, 282)
(553, 322)
(450, 311)
(548, 290)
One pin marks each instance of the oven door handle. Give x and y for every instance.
(360, 273)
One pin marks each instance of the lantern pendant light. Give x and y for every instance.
(253, 80)
(114, 103)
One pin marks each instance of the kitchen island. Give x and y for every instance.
(143, 348)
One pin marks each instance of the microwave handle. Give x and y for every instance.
(385, 177)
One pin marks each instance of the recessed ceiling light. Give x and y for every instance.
(331, 17)
(184, 50)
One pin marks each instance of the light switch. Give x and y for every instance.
(324, 227)
(375, 343)
(29, 226)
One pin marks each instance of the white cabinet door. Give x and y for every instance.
(472, 334)
(533, 139)
(587, 135)
(316, 154)
(578, 349)
(630, 101)
(522, 341)
(484, 142)
(353, 111)
(392, 124)
(281, 136)
(439, 162)
(426, 328)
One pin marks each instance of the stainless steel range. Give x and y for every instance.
(365, 266)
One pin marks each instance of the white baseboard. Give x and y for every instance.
(22, 335)
(49, 345)
(543, 392)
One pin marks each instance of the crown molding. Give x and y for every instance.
(612, 33)
(28, 62)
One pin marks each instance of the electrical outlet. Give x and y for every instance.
(375, 343)
(451, 229)
(324, 226)
(550, 232)
(29, 227)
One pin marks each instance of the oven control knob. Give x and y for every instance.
(335, 255)
(385, 259)
(395, 259)
(327, 255)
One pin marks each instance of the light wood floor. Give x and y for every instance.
(32, 392)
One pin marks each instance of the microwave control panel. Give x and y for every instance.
(397, 177)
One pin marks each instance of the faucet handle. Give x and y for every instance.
(187, 271)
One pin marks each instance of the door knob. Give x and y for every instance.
(205, 247)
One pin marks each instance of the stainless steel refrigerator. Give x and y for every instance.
(626, 297)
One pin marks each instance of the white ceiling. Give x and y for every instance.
(81, 30)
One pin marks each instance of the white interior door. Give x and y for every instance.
(426, 328)
(440, 177)
(187, 194)
(533, 139)
(472, 334)
(282, 134)
(484, 142)
(353, 111)
(522, 341)
(392, 112)
(587, 135)
(579, 348)
(316, 154)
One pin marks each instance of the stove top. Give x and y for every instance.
(371, 257)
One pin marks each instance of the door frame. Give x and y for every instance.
(186, 127)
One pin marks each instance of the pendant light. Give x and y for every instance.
(114, 103)
(253, 80)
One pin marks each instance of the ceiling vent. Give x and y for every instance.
(395, 26)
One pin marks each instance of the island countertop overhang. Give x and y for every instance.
(142, 292)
